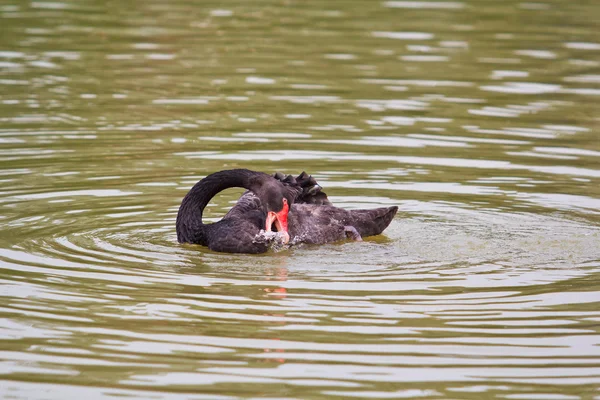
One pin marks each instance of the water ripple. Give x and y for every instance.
(482, 129)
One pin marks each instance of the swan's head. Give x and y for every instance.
(276, 200)
(277, 207)
(279, 220)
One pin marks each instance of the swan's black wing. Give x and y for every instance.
(309, 223)
(303, 189)
(314, 219)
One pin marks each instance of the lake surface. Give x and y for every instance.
(479, 119)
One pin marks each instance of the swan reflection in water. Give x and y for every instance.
(295, 208)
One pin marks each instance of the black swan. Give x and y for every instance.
(294, 207)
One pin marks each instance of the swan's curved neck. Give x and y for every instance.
(190, 228)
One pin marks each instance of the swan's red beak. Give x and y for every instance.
(280, 220)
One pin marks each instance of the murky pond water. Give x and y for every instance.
(479, 119)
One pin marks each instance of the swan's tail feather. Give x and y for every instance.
(371, 222)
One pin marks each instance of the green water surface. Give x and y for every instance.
(480, 119)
